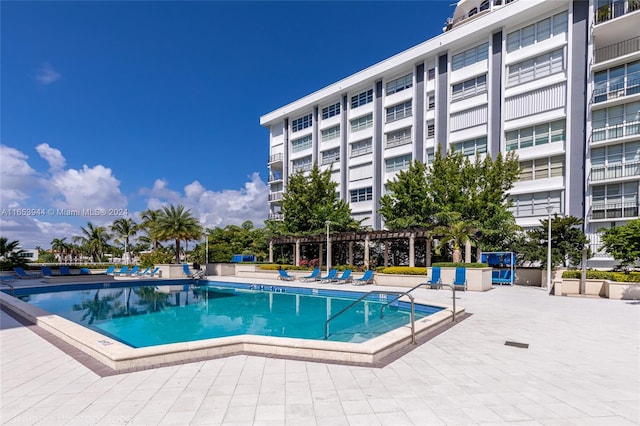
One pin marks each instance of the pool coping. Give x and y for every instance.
(120, 357)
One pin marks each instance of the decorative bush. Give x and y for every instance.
(464, 265)
(631, 277)
(405, 270)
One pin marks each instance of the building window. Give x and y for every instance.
(469, 88)
(331, 111)
(399, 137)
(301, 144)
(362, 99)
(398, 112)
(397, 163)
(535, 33)
(361, 147)
(536, 135)
(330, 133)
(362, 194)
(616, 82)
(361, 123)
(301, 123)
(538, 67)
(431, 74)
(330, 156)
(301, 164)
(471, 146)
(431, 130)
(615, 122)
(615, 161)
(400, 84)
(430, 156)
(542, 168)
(535, 204)
(470, 57)
(615, 200)
(431, 101)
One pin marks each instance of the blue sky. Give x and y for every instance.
(114, 106)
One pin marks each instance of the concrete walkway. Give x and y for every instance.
(582, 367)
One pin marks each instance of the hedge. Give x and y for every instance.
(631, 277)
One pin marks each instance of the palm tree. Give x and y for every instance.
(176, 223)
(458, 233)
(150, 225)
(95, 239)
(125, 228)
(11, 253)
(59, 246)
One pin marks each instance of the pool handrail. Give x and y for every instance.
(402, 293)
(451, 286)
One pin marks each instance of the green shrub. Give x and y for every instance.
(405, 270)
(631, 277)
(155, 258)
(276, 266)
(464, 265)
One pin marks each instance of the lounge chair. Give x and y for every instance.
(110, 270)
(154, 272)
(435, 282)
(46, 271)
(23, 275)
(367, 278)
(85, 271)
(460, 282)
(64, 270)
(122, 271)
(331, 276)
(345, 278)
(315, 276)
(187, 272)
(283, 275)
(134, 271)
(143, 273)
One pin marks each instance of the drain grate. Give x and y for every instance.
(516, 344)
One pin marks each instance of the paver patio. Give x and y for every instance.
(582, 367)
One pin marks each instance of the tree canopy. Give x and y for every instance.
(622, 242)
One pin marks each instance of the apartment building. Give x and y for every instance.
(556, 81)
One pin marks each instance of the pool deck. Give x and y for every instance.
(581, 367)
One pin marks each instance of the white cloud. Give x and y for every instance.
(216, 208)
(87, 188)
(52, 156)
(16, 175)
(31, 231)
(47, 75)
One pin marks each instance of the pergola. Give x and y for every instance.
(351, 238)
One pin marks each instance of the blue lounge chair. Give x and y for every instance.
(331, 276)
(122, 271)
(154, 272)
(46, 271)
(282, 274)
(23, 275)
(85, 271)
(110, 270)
(435, 282)
(345, 278)
(187, 272)
(134, 271)
(367, 278)
(64, 270)
(315, 276)
(144, 273)
(460, 282)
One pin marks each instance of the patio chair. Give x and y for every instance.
(187, 272)
(64, 270)
(85, 271)
(283, 275)
(345, 278)
(367, 278)
(134, 271)
(122, 271)
(110, 270)
(331, 276)
(435, 282)
(23, 275)
(156, 271)
(145, 272)
(460, 282)
(315, 276)
(46, 271)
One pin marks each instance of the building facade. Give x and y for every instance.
(558, 82)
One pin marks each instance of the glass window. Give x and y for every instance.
(362, 99)
(527, 36)
(301, 123)
(544, 29)
(557, 166)
(361, 147)
(399, 137)
(399, 111)
(526, 170)
(331, 111)
(331, 133)
(469, 57)
(362, 194)
(331, 156)
(301, 144)
(400, 84)
(361, 123)
(560, 23)
(397, 163)
(542, 134)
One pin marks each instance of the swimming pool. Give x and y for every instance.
(129, 327)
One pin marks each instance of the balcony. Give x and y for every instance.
(615, 132)
(614, 90)
(276, 196)
(276, 158)
(276, 216)
(613, 211)
(275, 177)
(615, 10)
(615, 171)
(616, 50)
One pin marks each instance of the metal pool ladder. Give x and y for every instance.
(413, 321)
(451, 286)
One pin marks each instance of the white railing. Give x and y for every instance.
(613, 171)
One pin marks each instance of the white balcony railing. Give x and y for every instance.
(613, 211)
(618, 89)
(276, 158)
(276, 196)
(276, 216)
(615, 171)
(616, 50)
(615, 131)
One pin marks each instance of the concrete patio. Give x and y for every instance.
(582, 367)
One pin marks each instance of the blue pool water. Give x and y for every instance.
(157, 314)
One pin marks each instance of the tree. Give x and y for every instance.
(11, 254)
(622, 242)
(310, 201)
(60, 247)
(408, 204)
(149, 225)
(458, 233)
(176, 223)
(94, 239)
(124, 228)
(567, 242)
